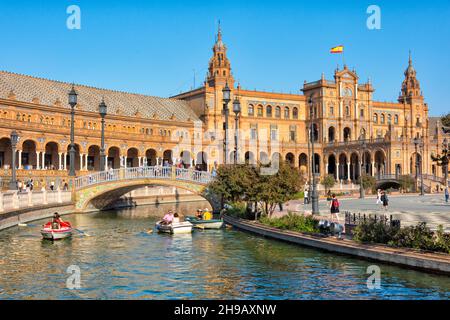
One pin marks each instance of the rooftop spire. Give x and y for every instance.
(219, 32)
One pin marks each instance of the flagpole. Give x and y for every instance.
(343, 58)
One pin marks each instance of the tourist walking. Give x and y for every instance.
(334, 208)
(385, 200)
(446, 194)
(379, 197)
(306, 194)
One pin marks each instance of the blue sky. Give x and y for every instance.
(153, 47)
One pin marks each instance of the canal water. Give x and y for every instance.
(120, 260)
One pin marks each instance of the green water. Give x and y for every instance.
(122, 261)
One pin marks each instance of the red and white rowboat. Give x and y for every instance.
(64, 231)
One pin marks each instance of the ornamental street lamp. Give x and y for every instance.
(419, 143)
(73, 100)
(237, 111)
(445, 161)
(102, 110)
(314, 196)
(226, 99)
(363, 170)
(14, 140)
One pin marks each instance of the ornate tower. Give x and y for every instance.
(219, 70)
(415, 109)
(410, 86)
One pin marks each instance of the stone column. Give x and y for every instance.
(326, 168)
(43, 161)
(139, 161)
(20, 159)
(65, 160)
(348, 171)
(38, 157)
(337, 171)
(60, 166)
(373, 168)
(81, 161)
(85, 161)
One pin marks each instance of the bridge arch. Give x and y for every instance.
(103, 188)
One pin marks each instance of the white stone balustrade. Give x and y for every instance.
(10, 201)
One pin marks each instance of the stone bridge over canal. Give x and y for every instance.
(103, 188)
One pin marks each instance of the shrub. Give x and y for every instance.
(416, 237)
(375, 232)
(238, 210)
(293, 222)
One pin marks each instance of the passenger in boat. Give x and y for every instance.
(56, 222)
(199, 214)
(176, 218)
(207, 215)
(168, 218)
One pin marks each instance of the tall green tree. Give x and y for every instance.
(245, 183)
(328, 182)
(445, 120)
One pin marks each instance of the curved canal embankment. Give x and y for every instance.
(430, 262)
(25, 215)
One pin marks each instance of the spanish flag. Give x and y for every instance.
(338, 49)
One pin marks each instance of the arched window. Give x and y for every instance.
(251, 110)
(277, 112)
(347, 110)
(389, 118)
(331, 107)
(396, 119)
(287, 114)
(382, 118)
(295, 113)
(375, 118)
(260, 111)
(269, 111)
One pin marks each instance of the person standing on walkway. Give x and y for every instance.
(334, 208)
(446, 194)
(385, 200)
(305, 200)
(379, 197)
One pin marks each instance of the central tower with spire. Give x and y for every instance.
(219, 70)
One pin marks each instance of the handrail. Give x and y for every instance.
(155, 172)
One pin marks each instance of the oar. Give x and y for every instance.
(21, 224)
(82, 232)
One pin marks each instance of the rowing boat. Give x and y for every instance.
(206, 224)
(174, 228)
(64, 231)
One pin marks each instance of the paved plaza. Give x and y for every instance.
(410, 209)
